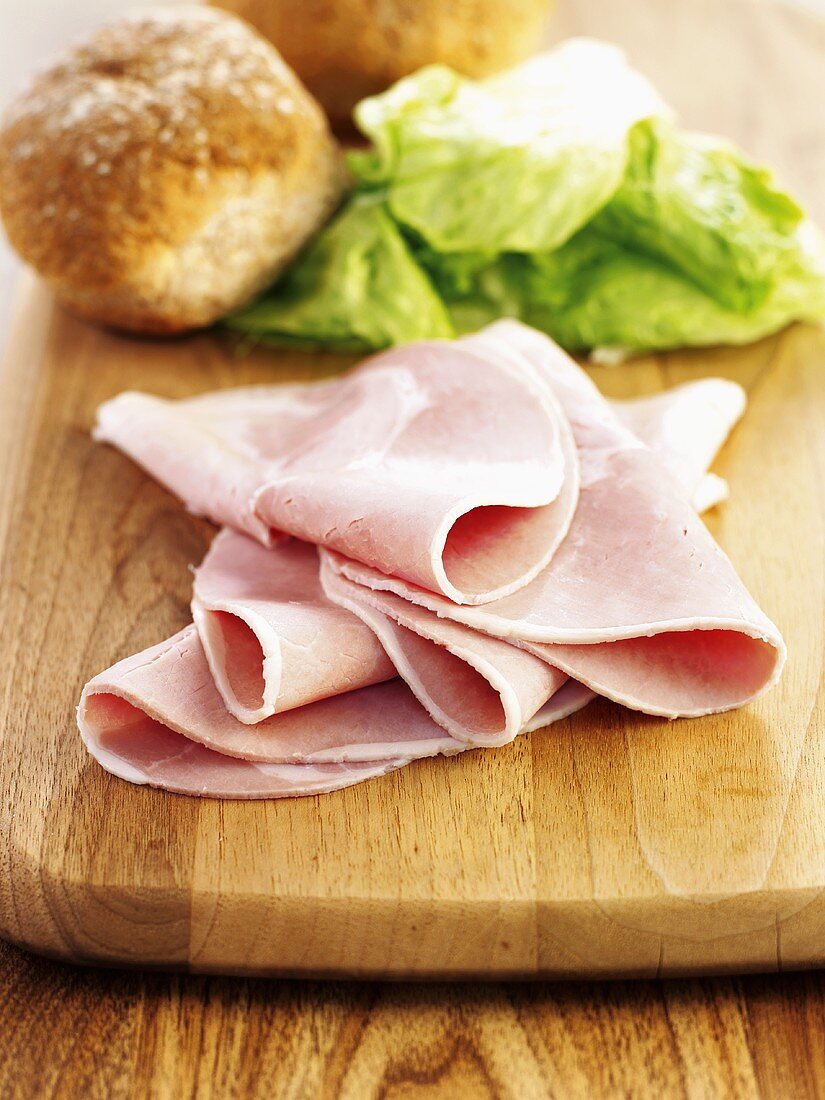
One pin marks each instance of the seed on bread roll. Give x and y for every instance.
(165, 170)
(344, 50)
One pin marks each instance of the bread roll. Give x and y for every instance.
(165, 170)
(344, 50)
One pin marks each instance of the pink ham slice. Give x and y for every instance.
(153, 718)
(409, 463)
(130, 744)
(639, 603)
(482, 690)
(485, 690)
(171, 684)
(687, 426)
(272, 638)
(156, 719)
(274, 641)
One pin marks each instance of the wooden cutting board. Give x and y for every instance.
(609, 844)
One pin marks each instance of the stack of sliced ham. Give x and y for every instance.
(451, 545)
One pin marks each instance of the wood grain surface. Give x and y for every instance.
(69, 1033)
(612, 845)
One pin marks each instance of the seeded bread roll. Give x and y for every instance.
(344, 50)
(165, 170)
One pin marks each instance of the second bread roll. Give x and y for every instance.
(344, 50)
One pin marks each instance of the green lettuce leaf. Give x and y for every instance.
(696, 203)
(357, 286)
(515, 163)
(561, 193)
(595, 292)
(697, 246)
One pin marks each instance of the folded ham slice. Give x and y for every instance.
(171, 683)
(272, 638)
(278, 690)
(132, 745)
(482, 690)
(409, 463)
(157, 718)
(639, 603)
(146, 719)
(485, 690)
(686, 426)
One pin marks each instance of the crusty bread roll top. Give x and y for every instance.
(164, 171)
